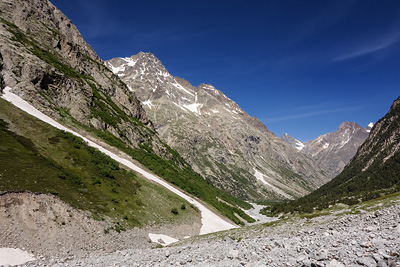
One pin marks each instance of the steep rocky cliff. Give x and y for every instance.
(231, 149)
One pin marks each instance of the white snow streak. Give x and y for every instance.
(131, 62)
(210, 221)
(211, 88)
(177, 85)
(195, 108)
(260, 177)
(370, 125)
(299, 145)
(148, 103)
(115, 70)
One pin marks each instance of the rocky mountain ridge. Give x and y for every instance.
(332, 151)
(233, 150)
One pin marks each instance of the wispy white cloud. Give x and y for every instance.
(370, 48)
(313, 113)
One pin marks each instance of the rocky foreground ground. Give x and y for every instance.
(361, 236)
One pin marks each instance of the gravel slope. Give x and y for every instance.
(358, 238)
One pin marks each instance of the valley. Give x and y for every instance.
(120, 163)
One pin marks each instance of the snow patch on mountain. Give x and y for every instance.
(345, 142)
(115, 70)
(180, 107)
(261, 176)
(369, 127)
(211, 88)
(195, 108)
(299, 145)
(130, 62)
(148, 103)
(177, 85)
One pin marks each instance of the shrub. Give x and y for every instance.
(175, 211)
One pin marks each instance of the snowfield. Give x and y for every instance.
(210, 221)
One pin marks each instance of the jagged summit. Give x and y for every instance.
(145, 66)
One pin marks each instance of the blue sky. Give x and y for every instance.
(302, 67)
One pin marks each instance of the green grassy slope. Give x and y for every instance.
(36, 157)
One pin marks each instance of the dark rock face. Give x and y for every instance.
(218, 138)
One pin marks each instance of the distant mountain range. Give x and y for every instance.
(332, 151)
(374, 171)
(222, 142)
